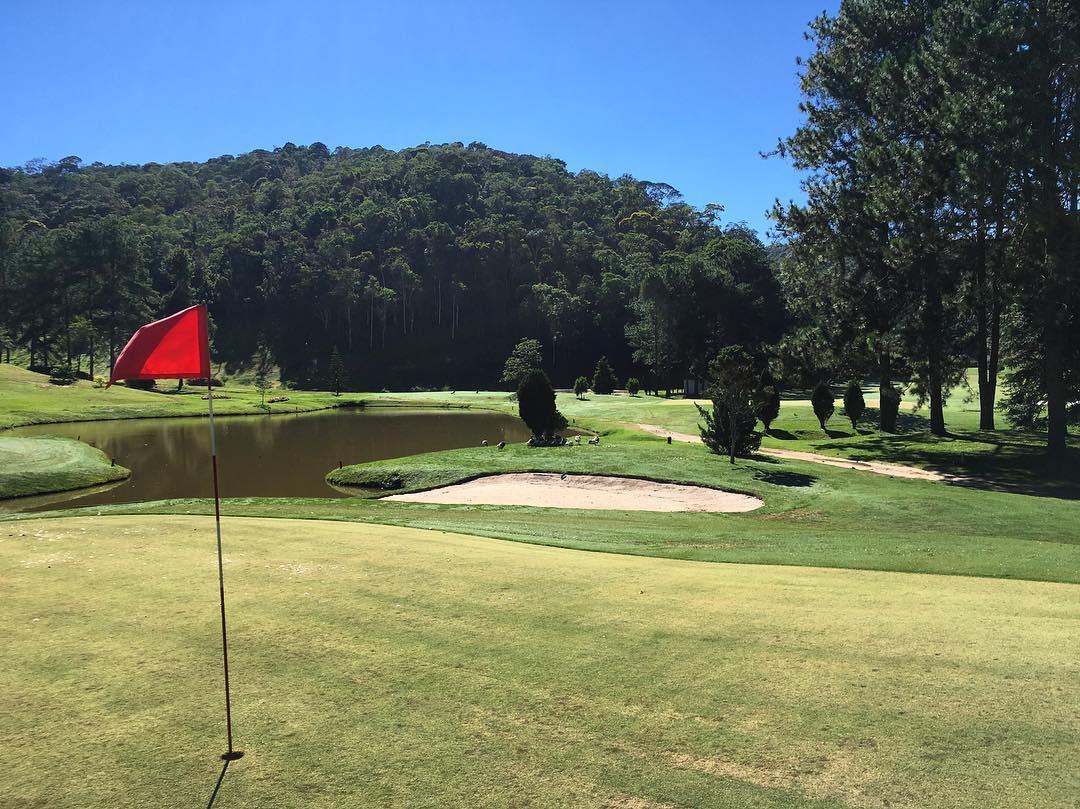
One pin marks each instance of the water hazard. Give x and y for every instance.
(262, 456)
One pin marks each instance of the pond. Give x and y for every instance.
(262, 456)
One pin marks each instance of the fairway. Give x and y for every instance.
(381, 666)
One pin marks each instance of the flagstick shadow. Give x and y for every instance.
(217, 786)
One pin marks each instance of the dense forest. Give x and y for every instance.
(940, 147)
(421, 267)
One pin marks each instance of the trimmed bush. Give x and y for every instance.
(633, 386)
(62, 375)
(767, 400)
(889, 408)
(822, 399)
(536, 404)
(854, 403)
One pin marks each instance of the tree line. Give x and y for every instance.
(941, 229)
(419, 267)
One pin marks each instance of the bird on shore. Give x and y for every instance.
(501, 444)
(483, 443)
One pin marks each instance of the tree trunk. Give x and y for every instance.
(982, 328)
(731, 434)
(1056, 429)
(886, 417)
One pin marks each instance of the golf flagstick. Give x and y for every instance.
(178, 347)
(230, 754)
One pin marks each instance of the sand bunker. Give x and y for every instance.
(583, 491)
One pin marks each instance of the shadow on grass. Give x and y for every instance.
(1006, 460)
(789, 479)
(217, 786)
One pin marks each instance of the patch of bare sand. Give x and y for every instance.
(583, 491)
(878, 467)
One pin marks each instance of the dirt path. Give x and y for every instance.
(878, 467)
(583, 491)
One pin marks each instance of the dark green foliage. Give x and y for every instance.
(581, 386)
(767, 399)
(424, 266)
(822, 400)
(889, 408)
(633, 385)
(731, 387)
(62, 375)
(854, 403)
(603, 381)
(337, 372)
(536, 404)
(524, 358)
(717, 430)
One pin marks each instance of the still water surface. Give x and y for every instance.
(263, 456)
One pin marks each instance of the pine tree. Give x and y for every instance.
(854, 403)
(603, 381)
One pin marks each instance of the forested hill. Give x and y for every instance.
(420, 267)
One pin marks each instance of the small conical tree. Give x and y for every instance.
(822, 400)
(854, 404)
(603, 380)
(337, 372)
(581, 386)
(633, 385)
(767, 399)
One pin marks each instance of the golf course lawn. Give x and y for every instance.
(381, 666)
(31, 466)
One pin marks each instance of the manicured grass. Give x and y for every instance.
(385, 667)
(28, 398)
(813, 514)
(30, 466)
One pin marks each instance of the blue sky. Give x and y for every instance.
(686, 93)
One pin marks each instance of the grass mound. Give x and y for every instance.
(31, 466)
(376, 666)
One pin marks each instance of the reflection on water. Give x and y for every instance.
(264, 456)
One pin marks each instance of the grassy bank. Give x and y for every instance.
(382, 667)
(813, 514)
(29, 398)
(30, 466)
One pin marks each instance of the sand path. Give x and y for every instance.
(878, 467)
(583, 491)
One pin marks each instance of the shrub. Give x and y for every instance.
(141, 384)
(889, 408)
(201, 382)
(633, 386)
(581, 386)
(603, 381)
(716, 431)
(536, 404)
(854, 404)
(767, 399)
(62, 375)
(822, 399)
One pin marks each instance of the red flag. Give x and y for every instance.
(175, 347)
